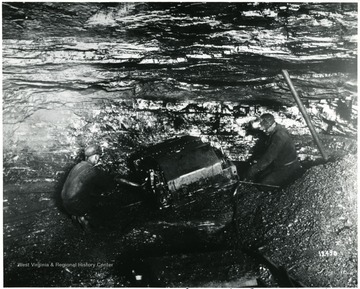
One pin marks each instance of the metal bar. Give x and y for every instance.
(304, 113)
(258, 184)
(255, 184)
(127, 182)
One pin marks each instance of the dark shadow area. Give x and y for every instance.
(135, 271)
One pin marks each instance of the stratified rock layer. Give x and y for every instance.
(62, 61)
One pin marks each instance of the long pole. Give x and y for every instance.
(305, 115)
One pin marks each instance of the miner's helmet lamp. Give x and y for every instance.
(266, 121)
(92, 150)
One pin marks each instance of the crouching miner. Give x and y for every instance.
(83, 186)
(278, 165)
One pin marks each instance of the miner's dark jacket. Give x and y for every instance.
(82, 188)
(278, 164)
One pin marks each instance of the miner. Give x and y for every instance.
(278, 163)
(83, 187)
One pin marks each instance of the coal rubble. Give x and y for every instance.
(310, 227)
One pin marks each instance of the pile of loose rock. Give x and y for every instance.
(310, 227)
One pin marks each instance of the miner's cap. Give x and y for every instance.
(266, 120)
(92, 150)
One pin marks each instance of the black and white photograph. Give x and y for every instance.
(179, 144)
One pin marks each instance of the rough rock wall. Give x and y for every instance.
(64, 63)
